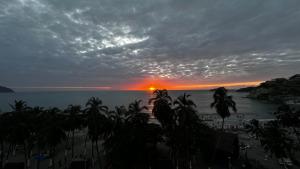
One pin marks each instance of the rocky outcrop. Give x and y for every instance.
(278, 90)
(5, 90)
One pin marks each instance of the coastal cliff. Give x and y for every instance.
(279, 90)
(5, 90)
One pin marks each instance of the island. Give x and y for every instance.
(5, 90)
(279, 90)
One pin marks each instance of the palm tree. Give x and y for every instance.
(162, 109)
(222, 103)
(135, 107)
(74, 120)
(185, 109)
(4, 132)
(184, 135)
(135, 111)
(38, 124)
(127, 146)
(97, 122)
(20, 128)
(19, 106)
(53, 131)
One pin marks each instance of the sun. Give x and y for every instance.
(151, 88)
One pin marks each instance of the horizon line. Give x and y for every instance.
(175, 87)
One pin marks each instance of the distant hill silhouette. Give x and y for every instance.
(5, 90)
(277, 90)
(246, 89)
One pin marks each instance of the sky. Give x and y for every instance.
(133, 44)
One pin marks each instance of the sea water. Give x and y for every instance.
(247, 108)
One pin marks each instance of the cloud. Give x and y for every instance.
(108, 42)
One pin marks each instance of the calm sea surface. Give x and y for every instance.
(246, 107)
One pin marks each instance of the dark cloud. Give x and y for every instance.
(108, 42)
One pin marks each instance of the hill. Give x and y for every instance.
(279, 90)
(5, 90)
(246, 89)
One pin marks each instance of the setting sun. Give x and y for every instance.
(152, 88)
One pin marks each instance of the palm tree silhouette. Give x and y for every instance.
(5, 121)
(74, 120)
(37, 121)
(97, 122)
(53, 131)
(19, 106)
(135, 107)
(185, 135)
(162, 109)
(20, 130)
(222, 103)
(127, 146)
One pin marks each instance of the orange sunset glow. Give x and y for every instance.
(151, 85)
(152, 88)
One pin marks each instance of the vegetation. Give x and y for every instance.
(222, 103)
(289, 118)
(276, 136)
(279, 90)
(121, 138)
(162, 108)
(275, 140)
(128, 138)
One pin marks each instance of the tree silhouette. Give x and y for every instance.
(74, 120)
(222, 103)
(162, 109)
(127, 146)
(53, 131)
(38, 123)
(288, 117)
(275, 141)
(97, 122)
(5, 121)
(20, 130)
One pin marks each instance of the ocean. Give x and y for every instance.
(247, 108)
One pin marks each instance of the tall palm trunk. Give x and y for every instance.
(85, 143)
(25, 155)
(2, 154)
(93, 163)
(98, 154)
(38, 160)
(53, 158)
(73, 133)
(9, 150)
(222, 124)
(67, 139)
(85, 152)
(92, 149)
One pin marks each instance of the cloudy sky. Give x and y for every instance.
(118, 43)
